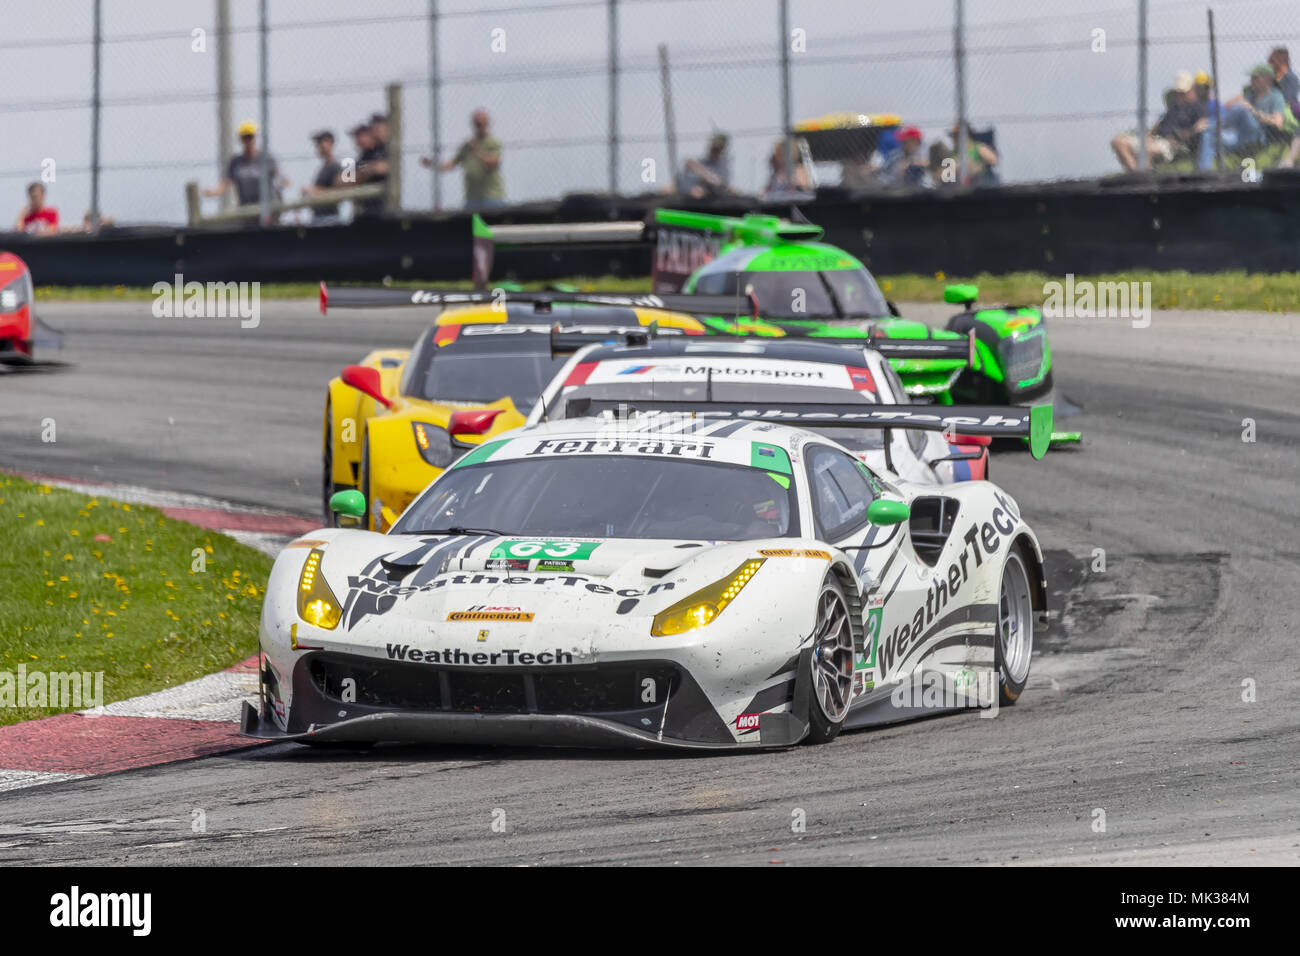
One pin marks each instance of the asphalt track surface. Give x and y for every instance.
(1134, 707)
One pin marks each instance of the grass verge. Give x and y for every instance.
(98, 585)
(1253, 292)
(1230, 291)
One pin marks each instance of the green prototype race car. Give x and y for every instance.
(806, 287)
(785, 281)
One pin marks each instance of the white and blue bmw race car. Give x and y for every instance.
(773, 373)
(623, 581)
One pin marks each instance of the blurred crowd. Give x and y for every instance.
(1260, 124)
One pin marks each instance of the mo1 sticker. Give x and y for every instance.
(545, 549)
(870, 637)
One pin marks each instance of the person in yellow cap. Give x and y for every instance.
(245, 170)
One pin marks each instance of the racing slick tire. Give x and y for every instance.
(1013, 644)
(830, 664)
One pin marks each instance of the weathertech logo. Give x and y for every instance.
(457, 657)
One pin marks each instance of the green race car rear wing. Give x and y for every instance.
(996, 421)
(752, 230)
(956, 349)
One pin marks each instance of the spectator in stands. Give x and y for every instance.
(379, 127)
(1289, 84)
(1248, 120)
(1175, 132)
(709, 175)
(906, 166)
(1284, 79)
(328, 176)
(371, 165)
(36, 218)
(982, 156)
(479, 159)
(783, 182)
(245, 171)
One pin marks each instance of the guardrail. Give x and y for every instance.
(389, 191)
(1159, 223)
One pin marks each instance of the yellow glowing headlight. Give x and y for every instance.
(316, 602)
(700, 608)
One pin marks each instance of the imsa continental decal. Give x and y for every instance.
(483, 612)
(794, 553)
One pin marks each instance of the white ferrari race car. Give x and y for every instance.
(627, 582)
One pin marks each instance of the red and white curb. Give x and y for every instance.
(196, 719)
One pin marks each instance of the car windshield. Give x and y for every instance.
(645, 391)
(803, 295)
(458, 374)
(609, 496)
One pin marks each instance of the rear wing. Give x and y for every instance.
(683, 240)
(568, 341)
(997, 421)
(562, 339)
(957, 349)
(383, 297)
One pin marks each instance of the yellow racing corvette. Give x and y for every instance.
(394, 421)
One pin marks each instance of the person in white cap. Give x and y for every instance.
(1173, 133)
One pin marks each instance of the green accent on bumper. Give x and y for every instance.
(770, 458)
(1040, 430)
(481, 453)
(478, 228)
(1009, 321)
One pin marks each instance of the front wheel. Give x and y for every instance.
(1014, 644)
(831, 664)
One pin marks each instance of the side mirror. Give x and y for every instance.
(964, 295)
(350, 503)
(887, 511)
(367, 381)
(475, 421)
